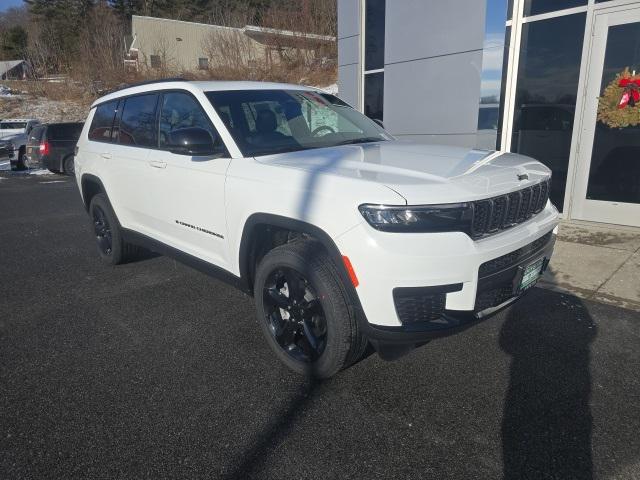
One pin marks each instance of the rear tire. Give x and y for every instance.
(69, 166)
(302, 309)
(22, 156)
(113, 250)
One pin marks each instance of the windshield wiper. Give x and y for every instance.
(360, 140)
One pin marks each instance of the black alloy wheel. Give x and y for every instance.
(294, 315)
(102, 230)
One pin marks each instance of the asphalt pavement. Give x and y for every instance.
(154, 370)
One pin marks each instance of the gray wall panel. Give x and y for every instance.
(349, 50)
(428, 96)
(348, 82)
(348, 18)
(427, 28)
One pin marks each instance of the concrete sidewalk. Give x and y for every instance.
(597, 262)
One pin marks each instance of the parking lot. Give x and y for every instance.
(153, 370)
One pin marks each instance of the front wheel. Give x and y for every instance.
(303, 312)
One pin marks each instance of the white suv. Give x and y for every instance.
(343, 234)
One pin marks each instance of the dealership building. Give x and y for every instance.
(558, 80)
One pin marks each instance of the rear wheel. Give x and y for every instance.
(22, 159)
(112, 248)
(303, 312)
(69, 166)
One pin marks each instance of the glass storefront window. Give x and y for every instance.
(614, 174)
(493, 55)
(374, 95)
(536, 7)
(546, 92)
(374, 34)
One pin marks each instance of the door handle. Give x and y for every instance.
(158, 164)
(106, 156)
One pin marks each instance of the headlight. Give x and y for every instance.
(452, 217)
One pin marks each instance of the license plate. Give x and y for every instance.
(531, 274)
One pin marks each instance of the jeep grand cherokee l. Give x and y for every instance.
(342, 234)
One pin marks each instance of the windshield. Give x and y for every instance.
(264, 122)
(13, 125)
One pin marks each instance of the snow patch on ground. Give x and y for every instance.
(40, 171)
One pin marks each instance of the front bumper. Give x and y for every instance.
(470, 279)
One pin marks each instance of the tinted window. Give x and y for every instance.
(374, 35)
(65, 131)
(181, 110)
(138, 121)
(546, 93)
(102, 122)
(36, 135)
(374, 95)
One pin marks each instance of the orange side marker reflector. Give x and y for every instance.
(350, 270)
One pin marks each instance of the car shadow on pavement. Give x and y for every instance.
(547, 421)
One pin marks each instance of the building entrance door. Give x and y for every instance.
(607, 182)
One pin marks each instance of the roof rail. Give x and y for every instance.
(149, 82)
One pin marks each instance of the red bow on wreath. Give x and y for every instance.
(631, 93)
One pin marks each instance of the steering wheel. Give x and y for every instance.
(321, 129)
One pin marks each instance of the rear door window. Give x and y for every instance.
(102, 123)
(138, 121)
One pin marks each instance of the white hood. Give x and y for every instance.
(422, 174)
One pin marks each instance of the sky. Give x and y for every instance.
(6, 4)
(493, 47)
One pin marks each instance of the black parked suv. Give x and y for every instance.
(52, 146)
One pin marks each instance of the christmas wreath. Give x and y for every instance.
(619, 105)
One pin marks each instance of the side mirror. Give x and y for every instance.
(378, 121)
(193, 141)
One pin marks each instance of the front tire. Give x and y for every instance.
(303, 311)
(113, 250)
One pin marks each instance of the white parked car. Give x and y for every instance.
(14, 133)
(343, 235)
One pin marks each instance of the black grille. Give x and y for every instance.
(513, 258)
(499, 213)
(494, 297)
(422, 304)
(420, 309)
